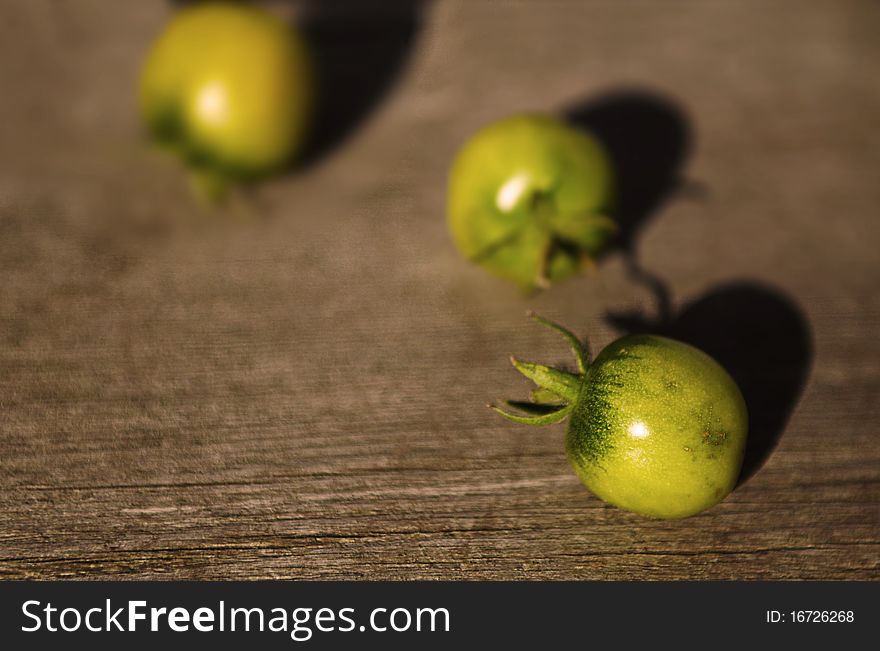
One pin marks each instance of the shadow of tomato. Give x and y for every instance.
(756, 332)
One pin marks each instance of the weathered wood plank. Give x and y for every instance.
(294, 386)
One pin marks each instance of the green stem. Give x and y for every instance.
(581, 351)
(553, 383)
(209, 186)
(564, 384)
(545, 419)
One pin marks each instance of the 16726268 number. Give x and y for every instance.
(822, 616)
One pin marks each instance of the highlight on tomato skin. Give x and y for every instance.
(655, 426)
(228, 87)
(530, 199)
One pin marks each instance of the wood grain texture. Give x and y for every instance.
(293, 385)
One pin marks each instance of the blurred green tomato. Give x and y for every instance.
(229, 86)
(528, 199)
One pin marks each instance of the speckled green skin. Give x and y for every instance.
(658, 428)
(554, 215)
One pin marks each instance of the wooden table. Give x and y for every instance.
(293, 385)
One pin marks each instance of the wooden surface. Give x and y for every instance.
(294, 385)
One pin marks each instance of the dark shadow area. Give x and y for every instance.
(760, 336)
(648, 137)
(756, 332)
(359, 49)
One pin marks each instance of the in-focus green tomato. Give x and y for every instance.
(230, 87)
(529, 199)
(656, 426)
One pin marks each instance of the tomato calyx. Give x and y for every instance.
(557, 390)
(555, 243)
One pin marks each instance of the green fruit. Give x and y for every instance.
(229, 86)
(656, 426)
(528, 199)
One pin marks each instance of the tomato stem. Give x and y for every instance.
(557, 390)
(543, 419)
(564, 384)
(580, 349)
(209, 185)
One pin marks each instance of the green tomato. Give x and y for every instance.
(656, 426)
(229, 86)
(528, 199)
